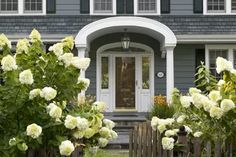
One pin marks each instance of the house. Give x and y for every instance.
(166, 39)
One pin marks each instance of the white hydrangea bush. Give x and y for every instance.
(206, 115)
(39, 105)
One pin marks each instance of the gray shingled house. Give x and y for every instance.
(138, 48)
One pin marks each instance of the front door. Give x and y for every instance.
(125, 81)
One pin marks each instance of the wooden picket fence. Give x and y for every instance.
(144, 142)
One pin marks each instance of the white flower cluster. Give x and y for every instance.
(57, 49)
(167, 143)
(223, 65)
(26, 77)
(66, 148)
(4, 41)
(54, 111)
(34, 93)
(84, 81)
(22, 46)
(33, 130)
(99, 106)
(8, 63)
(35, 36)
(48, 93)
(161, 124)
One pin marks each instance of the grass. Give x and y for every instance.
(110, 153)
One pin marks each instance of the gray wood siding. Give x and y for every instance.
(181, 7)
(184, 66)
(68, 7)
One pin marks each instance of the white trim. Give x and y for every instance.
(230, 55)
(111, 60)
(149, 27)
(157, 12)
(228, 9)
(21, 12)
(92, 12)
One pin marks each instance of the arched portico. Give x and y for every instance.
(142, 25)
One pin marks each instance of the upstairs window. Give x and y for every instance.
(216, 5)
(233, 5)
(147, 6)
(103, 6)
(9, 5)
(33, 6)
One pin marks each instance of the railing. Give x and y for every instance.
(144, 142)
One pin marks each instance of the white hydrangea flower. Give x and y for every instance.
(34, 93)
(188, 129)
(181, 119)
(69, 42)
(80, 63)
(88, 133)
(168, 121)
(215, 95)
(85, 81)
(54, 111)
(108, 123)
(169, 133)
(167, 143)
(66, 148)
(70, 122)
(105, 132)
(154, 123)
(22, 46)
(193, 90)
(33, 130)
(216, 112)
(100, 106)
(66, 58)
(4, 41)
(208, 104)
(26, 77)
(12, 141)
(48, 93)
(221, 83)
(8, 63)
(233, 71)
(57, 49)
(35, 36)
(161, 128)
(222, 65)
(198, 100)
(102, 142)
(24, 147)
(197, 134)
(82, 123)
(227, 105)
(114, 135)
(186, 101)
(78, 134)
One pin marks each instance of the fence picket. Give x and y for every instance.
(197, 147)
(135, 140)
(131, 142)
(149, 140)
(217, 148)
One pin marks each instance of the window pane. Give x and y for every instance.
(9, 5)
(33, 5)
(213, 54)
(216, 5)
(147, 5)
(103, 5)
(105, 74)
(145, 72)
(233, 4)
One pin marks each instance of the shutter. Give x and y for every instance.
(199, 57)
(198, 6)
(120, 4)
(84, 6)
(165, 6)
(51, 6)
(129, 6)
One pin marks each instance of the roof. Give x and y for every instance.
(70, 25)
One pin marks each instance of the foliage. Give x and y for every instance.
(38, 105)
(161, 108)
(204, 80)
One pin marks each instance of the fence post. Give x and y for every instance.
(182, 139)
(197, 147)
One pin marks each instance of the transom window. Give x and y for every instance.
(216, 5)
(33, 5)
(103, 6)
(146, 5)
(9, 5)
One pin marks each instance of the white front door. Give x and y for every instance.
(125, 81)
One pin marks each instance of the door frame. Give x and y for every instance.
(112, 84)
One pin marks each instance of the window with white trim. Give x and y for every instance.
(147, 6)
(9, 5)
(33, 5)
(233, 5)
(216, 6)
(103, 6)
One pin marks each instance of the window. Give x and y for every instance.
(33, 5)
(233, 5)
(216, 5)
(213, 54)
(9, 5)
(147, 6)
(105, 74)
(103, 6)
(145, 73)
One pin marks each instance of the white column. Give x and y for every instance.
(169, 71)
(81, 54)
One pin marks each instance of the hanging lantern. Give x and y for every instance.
(125, 40)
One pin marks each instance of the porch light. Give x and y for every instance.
(125, 40)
